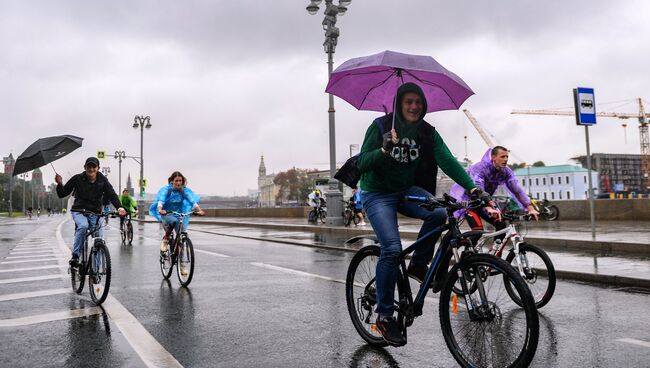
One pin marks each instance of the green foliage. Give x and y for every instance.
(539, 164)
(515, 166)
(294, 185)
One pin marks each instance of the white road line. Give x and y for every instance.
(212, 253)
(49, 317)
(32, 256)
(33, 294)
(152, 353)
(29, 268)
(635, 342)
(35, 278)
(33, 251)
(295, 272)
(30, 260)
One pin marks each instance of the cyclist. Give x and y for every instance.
(174, 197)
(355, 200)
(90, 189)
(315, 199)
(394, 163)
(129, 205)
(30, 211)
(488, 174)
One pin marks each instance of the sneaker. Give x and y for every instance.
(362, 223)
(184, 271)
(74, 261)
(390, 330)
(164, 245)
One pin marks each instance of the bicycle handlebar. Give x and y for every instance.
(446, 201)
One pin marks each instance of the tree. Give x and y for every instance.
(515, 166)
(294, 185)
(539, 164)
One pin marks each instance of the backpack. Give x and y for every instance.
(426, 172)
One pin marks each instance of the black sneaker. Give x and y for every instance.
(391, 331)
(74, 261)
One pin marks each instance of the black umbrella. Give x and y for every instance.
(44, 151)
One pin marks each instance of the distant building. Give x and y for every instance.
(556, 182)
(9, 164)
(129, 186)
(444, 183)
(617, 172)
(267, 189)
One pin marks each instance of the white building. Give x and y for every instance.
(556, 182)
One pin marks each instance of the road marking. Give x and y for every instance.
(296, 272)
(29, 268)
(152, 353)
(32, 251)
(635, 342)
(33, 294)
(30, 260)
(49, 317)
(32, 256)
(35, 278)
(212, 253)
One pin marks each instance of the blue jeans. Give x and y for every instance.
(170, 222)
(381, 209)
(83, 222)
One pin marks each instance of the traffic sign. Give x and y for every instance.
(585, 106)
(140, 185)
(101, 155)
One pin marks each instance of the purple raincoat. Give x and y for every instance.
(488, 178)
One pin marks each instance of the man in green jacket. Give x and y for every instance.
(397, 162)
(129, 205)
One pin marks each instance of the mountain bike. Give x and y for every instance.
(482, 326)
(546, 210)
(530, 261)
(95, 263)
(180, 252)
(349, 216)
(316, 214)
(126, 230)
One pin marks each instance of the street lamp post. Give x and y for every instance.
(331, 11)
(24, 182)
(119, 156)
(141, 122)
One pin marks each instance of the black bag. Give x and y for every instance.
(349, 174)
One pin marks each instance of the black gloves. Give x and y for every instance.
(388, 144)
(479, 194)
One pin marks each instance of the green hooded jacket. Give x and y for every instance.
(396, 170)
(128, 203)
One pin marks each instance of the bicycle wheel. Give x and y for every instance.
(99, 280)
(347, 217)
(355, 218)
(552, 213)
(322, 216)
(361, 294)
(77, 278)
(167, 261)
(129, 232)
(185, 264)
(123, 234)
(497, 333)
(539, 273)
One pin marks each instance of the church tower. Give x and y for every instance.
(261, 174)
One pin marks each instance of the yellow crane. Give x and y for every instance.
(642, 116)
(486, 137)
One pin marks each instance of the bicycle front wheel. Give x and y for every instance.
(322, 216)
(129, 232)
(185, 264)
(123, 234)
(361, 294)
(347, 217)
(539, 273)
(99, 280)
(167, 262)
(493, 331)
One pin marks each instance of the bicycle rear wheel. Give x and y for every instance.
(129, 232)
(77, 278)
(322, 215)
(539, 273)
(185, 264)
(347, 217)
(361, 294)
(99, 280)
(498, 333)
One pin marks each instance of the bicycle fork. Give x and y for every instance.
(473, 307)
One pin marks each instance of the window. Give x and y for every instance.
(543, 181)
(559, 194)
(545, 195)
(567, 179)
(585, 179)
(523, 182)
(552, 195)
(536, 181)
(537, 195)
(551, 181)
(568, 195)
(530, 181)
(559, 180)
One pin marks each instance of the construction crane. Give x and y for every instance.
(642, 116)
(483, 134)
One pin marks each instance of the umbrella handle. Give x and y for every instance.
(54, 169)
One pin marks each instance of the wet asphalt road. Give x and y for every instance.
(248, 307)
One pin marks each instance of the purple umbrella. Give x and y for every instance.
(370, 82)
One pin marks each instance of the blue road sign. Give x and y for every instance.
(585, 105)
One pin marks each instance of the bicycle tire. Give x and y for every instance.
(322, 216)
(167, 262)
(186, 257)
(552, 213)
(123, 234)
(360, 294)
(77, 278)
(355, 218)
(129, 232)
(522, 333)
(541, 266)
(99, 280)
(347, 217)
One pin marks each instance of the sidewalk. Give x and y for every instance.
(605, 261)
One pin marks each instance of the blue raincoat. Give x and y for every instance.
(174, 200)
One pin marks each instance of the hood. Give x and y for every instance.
(399, 96)
(487, 157)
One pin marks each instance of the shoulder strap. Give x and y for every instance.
(383, 123)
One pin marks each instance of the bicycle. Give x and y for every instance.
(316, 214)
(348, 214)
(96, 265)
(546, 210)
(180, 252)
(126, 230)
(532, 263)
(481, 326)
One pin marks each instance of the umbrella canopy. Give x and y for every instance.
(44, 151)
(370, 82)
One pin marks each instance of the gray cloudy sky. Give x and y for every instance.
(227, 81)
